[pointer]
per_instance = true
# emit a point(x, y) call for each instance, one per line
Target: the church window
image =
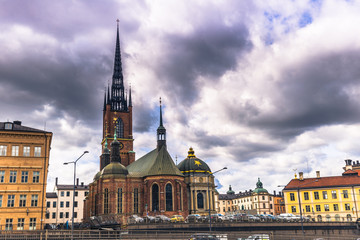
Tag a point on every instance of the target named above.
point(200, 200)
point(136, 200)
point(169, 197)
point(180, 189)
point(155, 197)
point(120, 200)
point(106, 201)
point(120, 128)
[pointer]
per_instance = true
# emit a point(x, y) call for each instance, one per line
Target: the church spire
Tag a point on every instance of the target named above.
point(130, 103)
point(118, 100)
point(161, 132)
point(104, 100)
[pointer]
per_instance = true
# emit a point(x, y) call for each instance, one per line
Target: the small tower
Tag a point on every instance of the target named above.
point(161, 133)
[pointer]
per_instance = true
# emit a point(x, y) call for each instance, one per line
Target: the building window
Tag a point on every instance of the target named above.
point(68, 193)
point(169, 197)
point(32, 225)
point(120, 128)
point(292, 197)
point(333, 194)
point(271, 206)
point(155, 197)
point(106, 201)
point(12, 176)
point(67, 215)
point(8, 126)
point(24, 176)
point(181, 203)
point(119, 200)
point(293, 209)
point(316, 195)
point(26, 151)
point(37, 152)
point(53, 215)
point(67, 204)
point(34, 200)
point(9, 224)
point(76, 193)
point(54, 204)
point(200, 200)
point(307, 208)
point(22, 202)
point(62, 193)
point(20, 225)
point(1, 197)
point(347, 206)
point(318, 208)
point(326, 207)
point(263, 197)
point(61, 215)
point(2, 176)
point(11, 201)
point(15, 151)
point(3, 151)
point(264, 205)
point(48, 204)
point(136, 200)
point(345, 193)
point(36, 176)
point(47, 215)
point(306, 195)
point(336, 207)
point(75, 204)
point(86, 193)
point(75, 214)
point(325, 196)
point(61, 204)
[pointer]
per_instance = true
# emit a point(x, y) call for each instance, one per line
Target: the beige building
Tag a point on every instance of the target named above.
point(24, 161)
point(257, 201)
point(59, 203)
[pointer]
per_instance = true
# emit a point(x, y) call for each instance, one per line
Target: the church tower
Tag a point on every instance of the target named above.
point(117, 113)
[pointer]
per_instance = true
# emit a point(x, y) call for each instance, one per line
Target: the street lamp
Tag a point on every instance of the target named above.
point(73, 207)
point(298, 193)
point(208, 176)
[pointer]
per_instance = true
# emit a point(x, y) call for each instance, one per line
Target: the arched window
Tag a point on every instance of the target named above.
point(106, 201)
point(155, 197)
point(120, 200)
point(319, 218)
point(349, 217)
point(337, 217)
point(169, 197)
point(120, 128)
point(328, 218)
point(200, 200)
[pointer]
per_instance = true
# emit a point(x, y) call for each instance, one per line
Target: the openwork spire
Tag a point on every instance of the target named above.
point(118, 100)
point(161, 132)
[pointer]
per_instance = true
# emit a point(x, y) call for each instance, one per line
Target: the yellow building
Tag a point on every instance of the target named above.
point(335, 198)
point(24, 160)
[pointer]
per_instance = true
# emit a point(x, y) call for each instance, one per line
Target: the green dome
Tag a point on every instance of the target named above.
point(192, 164)
point(230, 191)
point(114, 169)
point(96, 177)
point(259, 187)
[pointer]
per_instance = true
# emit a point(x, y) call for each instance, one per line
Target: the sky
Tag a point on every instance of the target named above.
point(265, 88)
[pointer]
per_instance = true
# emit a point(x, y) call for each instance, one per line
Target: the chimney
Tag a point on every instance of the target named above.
point(274, 193)
point(301, 175)
point(77, 181)
point(17, 122)
point(82, 184)
point(348, 164)
point(317, 174)
point(56, 181)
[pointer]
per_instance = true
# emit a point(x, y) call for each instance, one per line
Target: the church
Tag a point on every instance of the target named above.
point(151, 185)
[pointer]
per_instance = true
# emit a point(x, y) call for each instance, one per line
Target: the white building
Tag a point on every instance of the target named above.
point(59, 203)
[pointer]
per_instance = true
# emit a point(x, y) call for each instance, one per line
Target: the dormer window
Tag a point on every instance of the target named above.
point(8, 126)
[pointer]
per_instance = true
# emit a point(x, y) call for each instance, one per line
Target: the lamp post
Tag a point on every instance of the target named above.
point(73, 207)
point(208, 183)
point(298, 193)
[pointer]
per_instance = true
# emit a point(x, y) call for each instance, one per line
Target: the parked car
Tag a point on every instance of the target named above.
point(162, 218)
point(256, 237)
point(177, 218)
point(262, 217)
point(241, 217)
point(253, 218)
point(288, 217)
point(150, 219)
point(203, 236)
point(271, 218)
point(133, 219)
point(193, 218)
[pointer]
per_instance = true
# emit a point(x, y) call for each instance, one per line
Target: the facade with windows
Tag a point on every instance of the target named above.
point(24, 157)
point(59, 203)
point(335, 198)
point(257, 201)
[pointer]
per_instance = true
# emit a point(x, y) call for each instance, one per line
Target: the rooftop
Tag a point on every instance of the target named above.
point(16, 126)
point(323, 182)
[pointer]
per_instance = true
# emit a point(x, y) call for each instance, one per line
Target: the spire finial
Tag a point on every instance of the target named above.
point(115, 139)
point(130, 102)
point(161, 121)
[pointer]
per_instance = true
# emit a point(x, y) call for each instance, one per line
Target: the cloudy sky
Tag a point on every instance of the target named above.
point(265, 88)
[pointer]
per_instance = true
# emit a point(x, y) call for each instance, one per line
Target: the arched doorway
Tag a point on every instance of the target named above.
point(348, 217)
point(337, 218)
point(319, 218)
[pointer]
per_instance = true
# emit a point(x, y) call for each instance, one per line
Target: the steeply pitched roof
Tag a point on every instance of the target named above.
point(19, 127)
point(153, 164)
point(324, 182)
